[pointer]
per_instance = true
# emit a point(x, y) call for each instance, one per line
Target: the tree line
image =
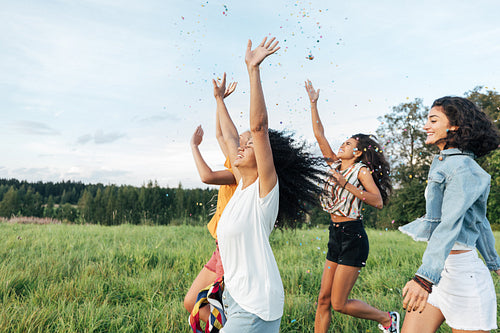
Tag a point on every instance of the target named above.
point(400, 133)
point(106, 204)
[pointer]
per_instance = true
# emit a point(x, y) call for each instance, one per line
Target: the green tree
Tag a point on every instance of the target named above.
point(99, 206)
point(488, 101)
point(111, 205)
point(403, 139)
point(9, 206)
point(67, 212)
point(86, 206)
point(491, 164)
point(49, 207)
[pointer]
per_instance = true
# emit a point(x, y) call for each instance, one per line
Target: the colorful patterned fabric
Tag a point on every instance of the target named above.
point(339, 201)
point(212, 296)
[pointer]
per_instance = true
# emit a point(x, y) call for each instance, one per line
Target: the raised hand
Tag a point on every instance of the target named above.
point(254, 58)
point(313, 94)
point(220, 90)
point(230, 88)
point(197, 136)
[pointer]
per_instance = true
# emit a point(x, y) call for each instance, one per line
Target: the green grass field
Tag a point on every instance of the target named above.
point(74, 278)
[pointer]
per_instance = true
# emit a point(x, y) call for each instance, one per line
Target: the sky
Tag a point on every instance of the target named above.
point(103, 91)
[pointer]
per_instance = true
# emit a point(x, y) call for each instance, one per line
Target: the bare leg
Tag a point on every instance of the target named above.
point(345, 277)
point(426, 322)
point(204, 278)
point(323, 311)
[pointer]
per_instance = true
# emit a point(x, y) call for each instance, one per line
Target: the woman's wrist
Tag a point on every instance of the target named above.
point(425, 284)
point(253, 68)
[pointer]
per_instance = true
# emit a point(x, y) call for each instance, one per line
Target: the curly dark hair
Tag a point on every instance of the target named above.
point(475, 133)
point(373, 157)
point(300, 176)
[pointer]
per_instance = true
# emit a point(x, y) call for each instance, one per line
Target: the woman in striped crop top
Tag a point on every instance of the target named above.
point(359, 173)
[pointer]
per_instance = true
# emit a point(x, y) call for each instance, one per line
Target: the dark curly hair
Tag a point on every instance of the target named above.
point(373, 157)
point(300, 176)
point(475, 133)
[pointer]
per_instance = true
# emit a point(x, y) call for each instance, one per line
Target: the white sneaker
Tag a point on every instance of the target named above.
point(394, 328)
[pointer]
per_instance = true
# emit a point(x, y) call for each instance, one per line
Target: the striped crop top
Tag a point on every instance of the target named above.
point(339, 201)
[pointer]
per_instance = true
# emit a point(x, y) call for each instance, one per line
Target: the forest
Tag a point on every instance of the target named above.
point(400, 133)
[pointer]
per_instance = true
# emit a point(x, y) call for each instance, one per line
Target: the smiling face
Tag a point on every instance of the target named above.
point(349, 150)
point(437, 127)
point(246, 155)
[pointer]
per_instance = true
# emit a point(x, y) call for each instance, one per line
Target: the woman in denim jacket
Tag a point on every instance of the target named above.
point(453, 284)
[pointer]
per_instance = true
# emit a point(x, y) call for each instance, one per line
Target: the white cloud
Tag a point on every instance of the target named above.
point(139, 73)
point(34, 128)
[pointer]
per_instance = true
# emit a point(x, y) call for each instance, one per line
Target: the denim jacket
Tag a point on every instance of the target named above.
point(456, 196)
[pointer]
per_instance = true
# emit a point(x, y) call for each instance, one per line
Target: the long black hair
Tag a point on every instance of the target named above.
point(475, 133)
point(373, 157)
point(300, 177)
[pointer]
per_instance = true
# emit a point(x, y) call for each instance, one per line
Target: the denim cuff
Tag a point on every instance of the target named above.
point(493, 265)
point(432, 277)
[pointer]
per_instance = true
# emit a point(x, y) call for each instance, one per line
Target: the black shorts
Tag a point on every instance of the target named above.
point(348, 244)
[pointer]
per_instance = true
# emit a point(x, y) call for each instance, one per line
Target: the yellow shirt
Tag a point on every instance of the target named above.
point(225, 193)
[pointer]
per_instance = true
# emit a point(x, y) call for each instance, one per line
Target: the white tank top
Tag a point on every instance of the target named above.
point(251, 274)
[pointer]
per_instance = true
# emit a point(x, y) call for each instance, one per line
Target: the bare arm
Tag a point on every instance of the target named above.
point(218, 131)
point(207, 176)
point(228, 129)
point(371, 195)
point(319, 131)
point(258, 115)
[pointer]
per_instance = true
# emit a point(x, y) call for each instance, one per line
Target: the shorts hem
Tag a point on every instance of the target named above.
point(210, 269)
point(471, 329)
point(351, 264)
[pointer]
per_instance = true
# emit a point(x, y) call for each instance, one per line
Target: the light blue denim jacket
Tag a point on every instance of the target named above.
point(456, 196)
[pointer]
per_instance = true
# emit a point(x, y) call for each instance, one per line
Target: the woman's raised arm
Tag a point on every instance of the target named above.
point(227, 127)
point(319, 131)
point(258, 115)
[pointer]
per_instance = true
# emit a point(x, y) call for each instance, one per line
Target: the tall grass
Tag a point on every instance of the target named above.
point(76, 278)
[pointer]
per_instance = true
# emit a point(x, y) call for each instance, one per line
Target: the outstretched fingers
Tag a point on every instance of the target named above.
point(230, 89)
point(270, 42)
point(253, 58)
point(269, 45)
point(220, 87)
point(313, 94)
point(223, 84)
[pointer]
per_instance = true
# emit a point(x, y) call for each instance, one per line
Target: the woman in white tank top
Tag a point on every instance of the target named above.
point(275, 176)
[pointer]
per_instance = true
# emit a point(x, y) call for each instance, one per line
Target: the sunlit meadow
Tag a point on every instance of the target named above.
point(89, 278)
